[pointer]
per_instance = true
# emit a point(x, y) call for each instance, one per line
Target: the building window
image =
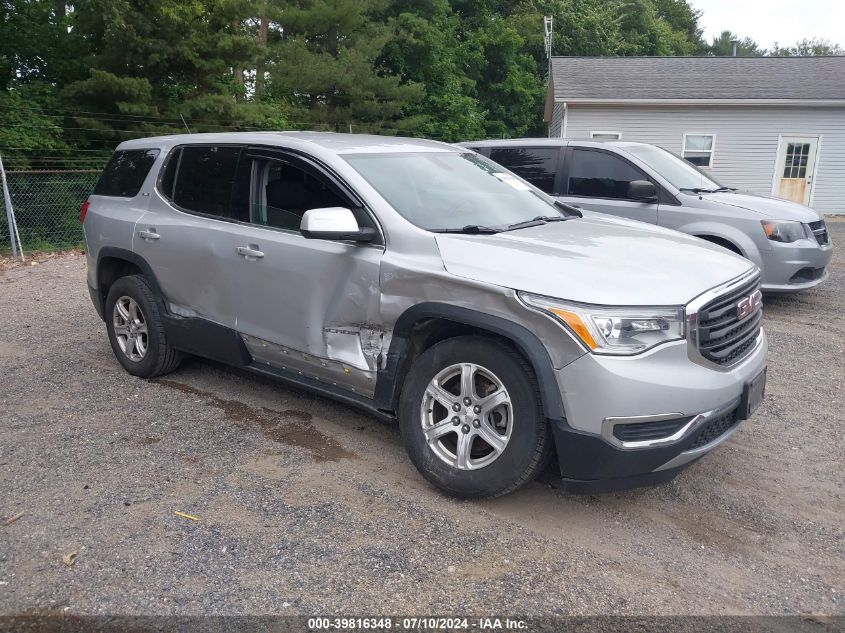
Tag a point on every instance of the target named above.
point(698, 149)
point(606, 136)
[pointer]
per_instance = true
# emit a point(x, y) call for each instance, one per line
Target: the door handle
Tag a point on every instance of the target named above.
point(149, 235)
point(250, 252)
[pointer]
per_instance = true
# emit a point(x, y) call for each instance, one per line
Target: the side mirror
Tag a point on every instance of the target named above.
point(334, 223)
point(642, 190)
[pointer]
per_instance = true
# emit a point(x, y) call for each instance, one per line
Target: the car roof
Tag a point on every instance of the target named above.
point(549, 142)
point(331, 141)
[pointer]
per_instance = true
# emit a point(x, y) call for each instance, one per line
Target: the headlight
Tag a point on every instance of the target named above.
point(783, 230)
point(614, 330)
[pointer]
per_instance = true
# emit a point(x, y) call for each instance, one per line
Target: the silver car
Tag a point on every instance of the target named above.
point(787, 240)
point(427, 285)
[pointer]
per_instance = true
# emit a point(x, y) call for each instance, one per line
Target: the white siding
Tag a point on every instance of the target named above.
point(746, 140)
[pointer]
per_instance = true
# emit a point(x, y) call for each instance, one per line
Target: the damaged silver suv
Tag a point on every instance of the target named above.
point(425, 283)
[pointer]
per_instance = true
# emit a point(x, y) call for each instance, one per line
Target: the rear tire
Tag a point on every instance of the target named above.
point(471, 419)
point(136, 329)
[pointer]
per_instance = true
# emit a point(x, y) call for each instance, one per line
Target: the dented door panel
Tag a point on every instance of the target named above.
point(310, 306)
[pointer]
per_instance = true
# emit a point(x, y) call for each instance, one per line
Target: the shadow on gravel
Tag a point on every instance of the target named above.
point(290, 427)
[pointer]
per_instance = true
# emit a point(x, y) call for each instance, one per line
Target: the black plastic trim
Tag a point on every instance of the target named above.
point(388, 387)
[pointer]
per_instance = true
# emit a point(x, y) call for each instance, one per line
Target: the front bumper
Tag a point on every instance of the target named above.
point(598, 391)
point(797, 266)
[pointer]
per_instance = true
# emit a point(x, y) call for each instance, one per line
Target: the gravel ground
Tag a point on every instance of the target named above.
point(305, 506)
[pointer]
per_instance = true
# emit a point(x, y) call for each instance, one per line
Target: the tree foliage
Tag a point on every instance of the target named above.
point(90, 73)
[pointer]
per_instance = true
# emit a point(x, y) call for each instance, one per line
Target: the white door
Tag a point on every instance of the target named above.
point(795, 168)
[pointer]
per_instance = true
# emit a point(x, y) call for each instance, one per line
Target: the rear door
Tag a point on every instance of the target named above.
point(598, 180)
point(186, 234)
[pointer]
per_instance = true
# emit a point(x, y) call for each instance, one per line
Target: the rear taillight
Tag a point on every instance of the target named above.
point(83, 211)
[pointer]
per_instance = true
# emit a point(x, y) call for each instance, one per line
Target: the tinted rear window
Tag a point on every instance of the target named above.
point(125, 173)
point(205, 179)
point(538, 165)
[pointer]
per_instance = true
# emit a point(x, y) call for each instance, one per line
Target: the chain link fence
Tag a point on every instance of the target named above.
point(46, 198)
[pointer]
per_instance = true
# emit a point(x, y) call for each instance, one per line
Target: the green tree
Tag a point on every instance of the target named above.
point(814, 47)
point(722, 46)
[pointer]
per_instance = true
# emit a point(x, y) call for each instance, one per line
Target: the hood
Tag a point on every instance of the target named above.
point(767, 207)
point(595, 259)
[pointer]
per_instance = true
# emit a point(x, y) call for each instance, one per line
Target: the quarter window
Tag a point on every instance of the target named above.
point(125, 173)
point(698, 149)
point(600, 175)
point(538, 165)
point(205, 179)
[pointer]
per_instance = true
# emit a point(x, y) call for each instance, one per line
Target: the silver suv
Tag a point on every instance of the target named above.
point(788, 241)
point(424, 283)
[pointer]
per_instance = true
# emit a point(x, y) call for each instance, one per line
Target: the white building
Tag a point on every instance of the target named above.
point(770, 125)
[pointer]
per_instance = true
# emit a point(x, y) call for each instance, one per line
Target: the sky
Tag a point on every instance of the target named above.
point(768, 21)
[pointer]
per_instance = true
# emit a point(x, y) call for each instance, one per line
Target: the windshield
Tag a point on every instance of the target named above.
point(677, 171)
point(451, 191)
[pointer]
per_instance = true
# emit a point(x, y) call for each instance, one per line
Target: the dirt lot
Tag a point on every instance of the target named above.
point(306, 506)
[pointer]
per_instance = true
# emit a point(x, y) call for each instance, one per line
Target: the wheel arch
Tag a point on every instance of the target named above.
point(114, 263)
point(425, 324)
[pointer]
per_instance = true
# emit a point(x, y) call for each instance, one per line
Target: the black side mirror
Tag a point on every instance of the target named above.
point(642, 190)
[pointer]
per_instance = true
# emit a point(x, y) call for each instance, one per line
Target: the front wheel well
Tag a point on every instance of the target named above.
point(426, 333)
point(721, 241)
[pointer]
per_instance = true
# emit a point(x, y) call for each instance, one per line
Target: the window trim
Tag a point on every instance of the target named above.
point(594, 133)
point(570, 151)
point(711, 151)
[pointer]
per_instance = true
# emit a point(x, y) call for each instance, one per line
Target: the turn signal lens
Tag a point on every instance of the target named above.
point(578, 326)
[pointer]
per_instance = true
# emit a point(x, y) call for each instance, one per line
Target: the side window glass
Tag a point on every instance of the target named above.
point(284, 192)
point(125, 173)
point(600, 175)
point(538, 165)
point(205, 179)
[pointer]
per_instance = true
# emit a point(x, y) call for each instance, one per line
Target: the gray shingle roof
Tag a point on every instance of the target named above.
point(618, 78)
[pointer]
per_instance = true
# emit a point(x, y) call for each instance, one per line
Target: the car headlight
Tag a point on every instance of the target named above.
point(783, 230)
point(621, 331)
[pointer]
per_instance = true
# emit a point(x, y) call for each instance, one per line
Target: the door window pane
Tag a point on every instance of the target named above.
point(205, 179)
point(698, 149)
point(538, 165)
point(600, 175)
point(795, 165)
point(284, 193)
point(125, 173)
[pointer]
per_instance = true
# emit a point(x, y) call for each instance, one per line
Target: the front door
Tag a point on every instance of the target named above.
point(303, 304)
point(795, 168)
point(598, 180)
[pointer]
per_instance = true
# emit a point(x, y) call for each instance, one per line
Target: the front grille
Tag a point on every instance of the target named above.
point(714, 429)
point(819, 230)
point(644, 431)
point(724, 337)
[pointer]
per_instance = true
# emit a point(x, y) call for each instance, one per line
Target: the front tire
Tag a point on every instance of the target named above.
point(136, 329)
point(471, 419)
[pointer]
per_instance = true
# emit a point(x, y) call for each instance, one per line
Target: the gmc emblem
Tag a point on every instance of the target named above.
point(749, 304)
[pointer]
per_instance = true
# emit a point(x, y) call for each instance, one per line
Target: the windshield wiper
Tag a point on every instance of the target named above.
point(469, 229)
point(538, 221)
point(701, 190)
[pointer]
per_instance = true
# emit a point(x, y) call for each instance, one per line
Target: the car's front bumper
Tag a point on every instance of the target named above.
point(599, 391)
point(797, 266)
